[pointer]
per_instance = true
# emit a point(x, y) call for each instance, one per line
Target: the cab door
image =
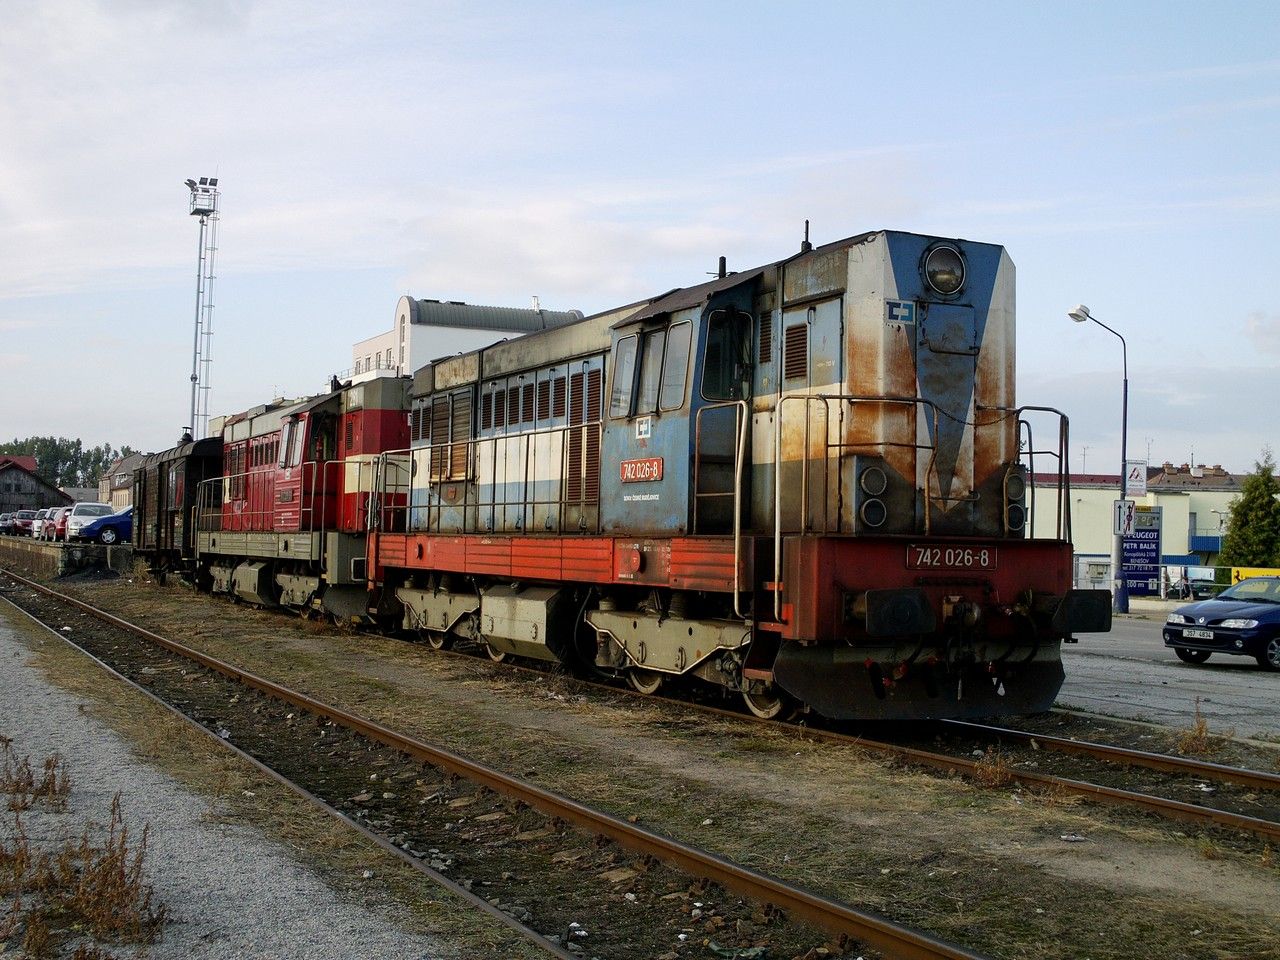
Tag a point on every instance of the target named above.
point(722, 418)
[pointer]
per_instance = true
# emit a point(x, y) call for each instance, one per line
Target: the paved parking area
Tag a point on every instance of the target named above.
point(1130, 673)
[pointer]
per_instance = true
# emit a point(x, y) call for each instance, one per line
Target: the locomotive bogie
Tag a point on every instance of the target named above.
point(663, 643)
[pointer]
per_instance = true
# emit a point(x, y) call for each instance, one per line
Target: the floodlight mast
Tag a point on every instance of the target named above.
point(204, 204)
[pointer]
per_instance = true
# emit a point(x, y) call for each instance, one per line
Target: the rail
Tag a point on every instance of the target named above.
point(840, 918)
point(842, 448)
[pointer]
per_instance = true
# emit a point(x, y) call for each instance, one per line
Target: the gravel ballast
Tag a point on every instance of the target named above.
point(230, 892)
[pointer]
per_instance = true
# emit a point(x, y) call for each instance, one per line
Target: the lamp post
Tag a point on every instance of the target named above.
point(1120, 598)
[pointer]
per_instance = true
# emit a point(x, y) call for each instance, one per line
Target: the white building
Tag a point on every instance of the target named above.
point(426, 330)
point(1194, 504)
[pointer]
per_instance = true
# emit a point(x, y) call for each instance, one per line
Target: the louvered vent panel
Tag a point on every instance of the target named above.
point(795, 352)
point(766, 338)
point(513, 406)
point(557, 398)
point(544, 400)
point(573, 478)
point(460, 433)
point(594, 395)
point(526, 404)
point(499, 408)
point(486, 411)
point(349, 437)
point(439, 435)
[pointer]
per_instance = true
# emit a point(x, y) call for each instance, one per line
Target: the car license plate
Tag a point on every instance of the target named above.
point(921, 556)
point(1195, 633)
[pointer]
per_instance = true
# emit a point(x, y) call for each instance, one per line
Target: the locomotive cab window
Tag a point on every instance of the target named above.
point(726, 369)
point(650, 370)
point(624, 377)
point(675, 366)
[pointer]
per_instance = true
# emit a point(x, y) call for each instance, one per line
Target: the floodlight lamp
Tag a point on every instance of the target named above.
point(213, 181)
point(191, 183)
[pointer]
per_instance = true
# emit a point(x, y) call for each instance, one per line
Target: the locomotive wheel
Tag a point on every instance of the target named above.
point(438, 640)
point(497, 656)
point(768, 705)
point(644, 681)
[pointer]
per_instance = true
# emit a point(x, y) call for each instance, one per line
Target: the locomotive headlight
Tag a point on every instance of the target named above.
point(944, 270)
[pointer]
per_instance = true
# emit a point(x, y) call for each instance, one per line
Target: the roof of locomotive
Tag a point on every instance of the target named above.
point(593, 334)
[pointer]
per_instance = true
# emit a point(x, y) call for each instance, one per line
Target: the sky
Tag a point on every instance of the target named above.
point(595, 153)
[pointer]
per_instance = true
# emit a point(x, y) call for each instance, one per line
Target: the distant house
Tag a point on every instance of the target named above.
point(116, 485)
point(22, 489)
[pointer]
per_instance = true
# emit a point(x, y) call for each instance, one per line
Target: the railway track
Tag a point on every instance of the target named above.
point(1185, 774)
point(509, 796)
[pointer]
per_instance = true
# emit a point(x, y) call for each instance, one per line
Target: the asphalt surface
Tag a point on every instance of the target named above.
point(1130, 673)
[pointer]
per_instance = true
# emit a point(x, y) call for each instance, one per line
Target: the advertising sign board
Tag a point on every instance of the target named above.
point(1140, 552)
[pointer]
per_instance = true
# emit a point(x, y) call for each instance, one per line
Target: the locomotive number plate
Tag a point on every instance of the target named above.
point(922, 556)
point(641, 471)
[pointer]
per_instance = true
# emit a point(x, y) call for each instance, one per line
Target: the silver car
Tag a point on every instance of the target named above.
point(83, 513)
point(37, 525)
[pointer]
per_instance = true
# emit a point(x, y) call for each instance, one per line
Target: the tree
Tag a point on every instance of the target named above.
point(66, 463)
point(1253, 531)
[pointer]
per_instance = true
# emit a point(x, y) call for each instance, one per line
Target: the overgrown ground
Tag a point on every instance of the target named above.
point(1010, 873)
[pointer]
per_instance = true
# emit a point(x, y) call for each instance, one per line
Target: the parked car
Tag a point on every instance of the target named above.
point(37, 523)
point(1244, 619)
point(6, 523)
point(22, 521)
point(110, 529)
point(55, 525)
point(83, 513)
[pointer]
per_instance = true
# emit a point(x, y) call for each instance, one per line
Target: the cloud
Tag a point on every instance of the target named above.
point(1263, 331)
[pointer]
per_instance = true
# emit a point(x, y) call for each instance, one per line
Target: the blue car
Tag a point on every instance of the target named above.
point(110, 529)
point(1243, 619)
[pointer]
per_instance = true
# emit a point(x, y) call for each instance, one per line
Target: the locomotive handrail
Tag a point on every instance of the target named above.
point(742, 418)
point(826, 398)
point(1062, 516)
point(428, 516)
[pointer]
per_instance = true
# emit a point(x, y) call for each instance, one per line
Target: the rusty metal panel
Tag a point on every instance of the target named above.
point(587, 559)
point(537, 558)
point(458, 371)
point(642, 561)
point(548, 347)
point(704, 563)
point(491, 555)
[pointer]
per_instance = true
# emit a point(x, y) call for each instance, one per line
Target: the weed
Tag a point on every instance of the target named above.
point(992, 769)
point(1197, 741)
point(18, 780)
point(1208, 849)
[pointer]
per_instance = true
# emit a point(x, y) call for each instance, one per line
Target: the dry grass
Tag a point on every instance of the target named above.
point(1197, 741)
point(18, 780)
point(992, 769)
point(79, 888)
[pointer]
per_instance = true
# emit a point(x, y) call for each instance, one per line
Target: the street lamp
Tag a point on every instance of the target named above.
point(1121, 599)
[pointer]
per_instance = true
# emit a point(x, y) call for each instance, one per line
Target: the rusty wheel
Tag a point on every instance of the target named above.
point(644, 681)
point(438, 639)
point(768, 704)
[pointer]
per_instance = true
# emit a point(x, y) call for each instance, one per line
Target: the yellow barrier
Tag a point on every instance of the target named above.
point(1244, 573)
